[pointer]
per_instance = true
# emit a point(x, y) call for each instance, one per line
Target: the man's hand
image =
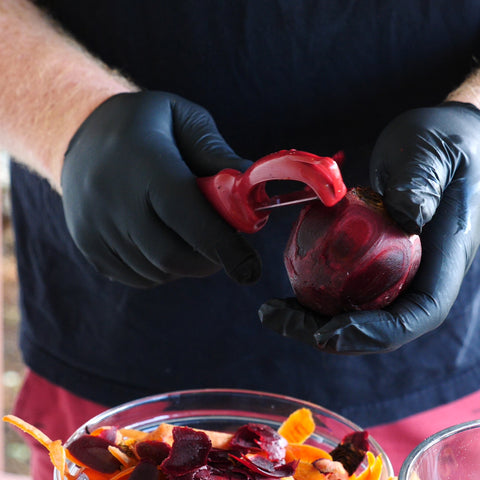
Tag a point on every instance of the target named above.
point(131, 200)
point(427, 165)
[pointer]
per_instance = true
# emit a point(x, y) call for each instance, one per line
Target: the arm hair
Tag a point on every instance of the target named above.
point(48, 85)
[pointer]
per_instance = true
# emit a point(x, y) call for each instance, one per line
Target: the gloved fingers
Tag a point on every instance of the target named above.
point(240, 261)
point(412, 177)
point(139, 262)
point(109, 263)
point(173, 256)
point(203, 228)
point(187, 248)
point(290, 319)
point(202, 146)
point(360, 332)
point(411, 316)
point(412, 196)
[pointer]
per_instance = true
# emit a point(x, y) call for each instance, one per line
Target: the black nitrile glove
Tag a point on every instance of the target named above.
point(130, 196)
point(427, 165)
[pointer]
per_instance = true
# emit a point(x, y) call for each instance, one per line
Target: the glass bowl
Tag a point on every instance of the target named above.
point(452, 453)
point(227, 410)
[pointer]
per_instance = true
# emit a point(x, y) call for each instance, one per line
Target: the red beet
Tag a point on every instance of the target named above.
point(189, 451)
point(261, 438)
point(351, 451)
point(93, 452)
point(351, 256)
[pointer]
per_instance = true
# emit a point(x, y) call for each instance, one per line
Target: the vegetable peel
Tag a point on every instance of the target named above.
point(298, 426)
point(55, 448)
point(254, 451)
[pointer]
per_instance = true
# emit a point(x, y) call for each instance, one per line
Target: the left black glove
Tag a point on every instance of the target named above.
point(426, 163)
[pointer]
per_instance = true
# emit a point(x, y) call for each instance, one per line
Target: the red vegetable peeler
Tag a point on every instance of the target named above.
point(243, 202)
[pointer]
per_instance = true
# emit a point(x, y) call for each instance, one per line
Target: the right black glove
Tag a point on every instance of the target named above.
point(426, 163)
point(130, 196)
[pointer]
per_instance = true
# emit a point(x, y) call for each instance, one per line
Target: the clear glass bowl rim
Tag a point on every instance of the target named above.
point(387, 465)
point(420, 449)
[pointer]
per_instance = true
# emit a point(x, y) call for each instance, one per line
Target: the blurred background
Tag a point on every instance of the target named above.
point(15, 453)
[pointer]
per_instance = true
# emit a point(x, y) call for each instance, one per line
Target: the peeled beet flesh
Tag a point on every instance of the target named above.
point(351, 256)
point(93, 452)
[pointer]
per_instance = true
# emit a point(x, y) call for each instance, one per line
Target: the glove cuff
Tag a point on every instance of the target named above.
point(461, 105)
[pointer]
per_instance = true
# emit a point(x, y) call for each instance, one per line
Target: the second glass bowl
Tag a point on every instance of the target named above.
point(451, 454)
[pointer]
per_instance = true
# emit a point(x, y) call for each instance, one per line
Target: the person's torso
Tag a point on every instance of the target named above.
point(316, 76)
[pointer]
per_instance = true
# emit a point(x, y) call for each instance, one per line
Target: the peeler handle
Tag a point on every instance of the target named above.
point(236, 195)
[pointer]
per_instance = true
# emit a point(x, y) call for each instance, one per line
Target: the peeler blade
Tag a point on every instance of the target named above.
point(287, 199)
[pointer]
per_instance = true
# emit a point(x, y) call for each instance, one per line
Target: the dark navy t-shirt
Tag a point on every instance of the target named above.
point(313, 75)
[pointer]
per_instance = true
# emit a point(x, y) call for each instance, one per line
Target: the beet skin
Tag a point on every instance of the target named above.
point(351, 256)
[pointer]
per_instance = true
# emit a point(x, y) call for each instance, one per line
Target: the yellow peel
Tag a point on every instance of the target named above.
point(125, 460)
point(374, 469)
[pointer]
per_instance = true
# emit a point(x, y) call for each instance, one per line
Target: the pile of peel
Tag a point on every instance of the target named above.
point(254, 452)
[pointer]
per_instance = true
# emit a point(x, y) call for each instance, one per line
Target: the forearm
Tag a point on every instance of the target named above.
point(468, 91)
point(48, 86)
